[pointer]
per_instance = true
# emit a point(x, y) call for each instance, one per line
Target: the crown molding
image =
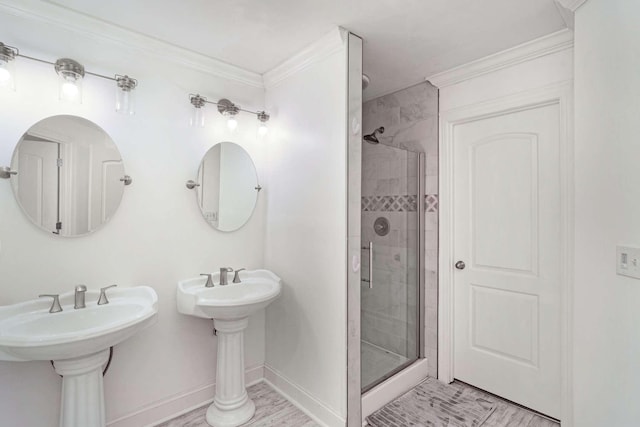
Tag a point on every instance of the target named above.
point(317, 51)
point(572, 5)
point(96, 29)
point(542, 46)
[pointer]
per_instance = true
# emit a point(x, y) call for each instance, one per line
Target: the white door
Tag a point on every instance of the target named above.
point(37, 181)
point(507, 232)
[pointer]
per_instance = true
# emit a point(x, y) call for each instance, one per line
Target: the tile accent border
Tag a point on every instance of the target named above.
point(397, 203)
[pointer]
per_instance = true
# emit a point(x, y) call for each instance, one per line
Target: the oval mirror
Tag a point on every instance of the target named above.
point(70, 177)
point(227, 186)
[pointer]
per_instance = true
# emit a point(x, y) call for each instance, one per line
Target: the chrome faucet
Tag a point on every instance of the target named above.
point(236, 276)
point(79, 297)
point(223, 275)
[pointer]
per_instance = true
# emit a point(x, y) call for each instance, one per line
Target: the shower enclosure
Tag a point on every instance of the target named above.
point(392, 259)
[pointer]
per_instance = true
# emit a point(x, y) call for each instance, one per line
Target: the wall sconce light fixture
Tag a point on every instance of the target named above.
point(263, 118)
point(228, 109)
point(197, 117)
point(71, 74)
point(7, 72)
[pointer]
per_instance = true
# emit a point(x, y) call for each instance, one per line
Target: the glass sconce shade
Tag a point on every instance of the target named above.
point(232, 123)
point(263, 118)
point(125, 95)
point(7, 69)
point(70, 75)
point(197, 115)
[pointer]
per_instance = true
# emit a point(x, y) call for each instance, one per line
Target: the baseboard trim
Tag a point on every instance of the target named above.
point(394, 387)
point(302, 399)
point(174, 406)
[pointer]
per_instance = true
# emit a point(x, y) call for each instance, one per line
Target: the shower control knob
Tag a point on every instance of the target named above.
point(460, 265)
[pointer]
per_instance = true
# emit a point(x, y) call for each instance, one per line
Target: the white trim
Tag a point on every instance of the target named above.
point(572, 5)
point(393, 388)
point(560, 94)
point(174, 406)
point(329, 44)
point(302, 399)
point(97, 29)
point(542, 46)
point(566, 15)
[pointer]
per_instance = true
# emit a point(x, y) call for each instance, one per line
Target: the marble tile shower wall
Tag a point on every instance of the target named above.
point(410, 119)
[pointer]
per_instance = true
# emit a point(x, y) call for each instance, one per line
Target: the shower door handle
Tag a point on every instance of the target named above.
point(370, 265)
point(370, 249)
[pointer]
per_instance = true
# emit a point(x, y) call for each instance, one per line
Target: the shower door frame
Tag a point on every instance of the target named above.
point(420, 326)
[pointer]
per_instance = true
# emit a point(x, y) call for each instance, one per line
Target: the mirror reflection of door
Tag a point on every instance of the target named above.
point(37, 184)
point(210, 185)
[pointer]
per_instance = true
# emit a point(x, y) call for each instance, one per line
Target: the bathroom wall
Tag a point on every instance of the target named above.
point(156, 238)
point(306, 228)
point(410, 119)
point(607, 205)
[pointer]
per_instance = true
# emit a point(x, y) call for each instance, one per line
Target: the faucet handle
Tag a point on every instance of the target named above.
point(55, 307)
point(236, 276)
point(209, 283)
point(103, 295)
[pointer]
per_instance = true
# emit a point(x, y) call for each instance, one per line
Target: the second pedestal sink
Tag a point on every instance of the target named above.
point(78, 341)
point(230, 307)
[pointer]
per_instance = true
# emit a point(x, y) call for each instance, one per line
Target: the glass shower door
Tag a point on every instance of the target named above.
point(390, 288)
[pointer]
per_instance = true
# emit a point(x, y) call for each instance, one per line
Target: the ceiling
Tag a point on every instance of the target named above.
point(404, 40)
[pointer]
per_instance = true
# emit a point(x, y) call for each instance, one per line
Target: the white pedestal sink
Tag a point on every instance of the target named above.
point(230, 307)
point(77, 341)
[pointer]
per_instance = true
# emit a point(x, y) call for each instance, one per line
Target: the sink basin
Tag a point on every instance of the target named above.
point(77, 341)
point(29, 332)
point(233, 301)
point(230, 307)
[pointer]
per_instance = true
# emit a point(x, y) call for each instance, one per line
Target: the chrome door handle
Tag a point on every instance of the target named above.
point(370, 265)
point(460, 265)
point(370, 249)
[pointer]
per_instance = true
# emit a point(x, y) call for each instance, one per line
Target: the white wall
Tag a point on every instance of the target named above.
point(306, 233)
point(607, 206)
point(156, 238)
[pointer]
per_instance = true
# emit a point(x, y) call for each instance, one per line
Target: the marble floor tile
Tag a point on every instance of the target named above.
point(508, 414)
point(272, 409)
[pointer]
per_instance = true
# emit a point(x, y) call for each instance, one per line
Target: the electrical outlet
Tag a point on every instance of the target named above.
point(628, 261)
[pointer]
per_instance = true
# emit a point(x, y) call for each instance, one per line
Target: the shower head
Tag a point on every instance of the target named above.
point(372, 138)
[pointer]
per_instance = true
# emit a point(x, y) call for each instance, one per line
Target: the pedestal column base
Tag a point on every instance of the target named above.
point(82, 390)
point(231, 406)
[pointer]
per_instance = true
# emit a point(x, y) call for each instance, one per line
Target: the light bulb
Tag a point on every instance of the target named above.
point(232, 123)
point(69, 90)
point(263, 129)
point(5, 75)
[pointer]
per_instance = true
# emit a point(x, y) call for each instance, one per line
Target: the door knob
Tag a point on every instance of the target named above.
point(460, 265)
